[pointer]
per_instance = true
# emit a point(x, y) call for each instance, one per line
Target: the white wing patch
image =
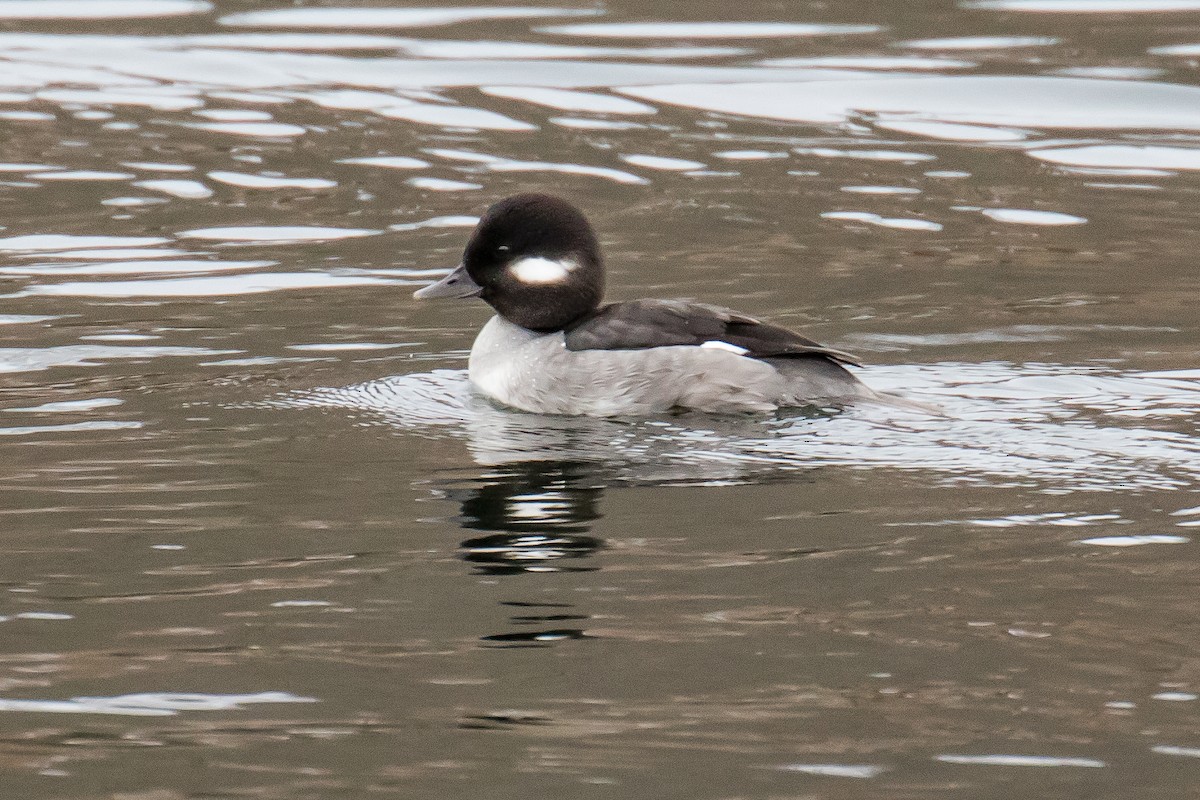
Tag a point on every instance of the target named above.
point(542, 270)
point(718, 345)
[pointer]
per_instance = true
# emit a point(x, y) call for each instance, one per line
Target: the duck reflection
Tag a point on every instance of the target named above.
point(535, 517)
point(537, 514)
point(543, 477)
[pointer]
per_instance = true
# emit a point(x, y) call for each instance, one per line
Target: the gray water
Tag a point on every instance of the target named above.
point(259, 541)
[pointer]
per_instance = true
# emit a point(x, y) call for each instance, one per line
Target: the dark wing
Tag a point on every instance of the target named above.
point(640, 324)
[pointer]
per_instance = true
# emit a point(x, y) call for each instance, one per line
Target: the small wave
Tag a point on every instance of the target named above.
point(1051, 427)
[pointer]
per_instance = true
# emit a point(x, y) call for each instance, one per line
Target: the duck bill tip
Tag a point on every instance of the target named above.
point(455, 285)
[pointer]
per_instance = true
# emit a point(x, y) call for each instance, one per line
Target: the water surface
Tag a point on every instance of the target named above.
point(260, 540)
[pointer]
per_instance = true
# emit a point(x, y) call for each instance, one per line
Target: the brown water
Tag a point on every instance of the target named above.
point(259, 541)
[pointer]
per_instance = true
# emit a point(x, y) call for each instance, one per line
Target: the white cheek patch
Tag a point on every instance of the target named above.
point(732, 348)
point(541, 270)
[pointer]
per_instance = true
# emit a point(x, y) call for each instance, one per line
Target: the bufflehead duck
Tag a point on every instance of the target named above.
point(553, 349)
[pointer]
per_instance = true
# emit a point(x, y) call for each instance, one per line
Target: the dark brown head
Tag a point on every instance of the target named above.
point(535, 259)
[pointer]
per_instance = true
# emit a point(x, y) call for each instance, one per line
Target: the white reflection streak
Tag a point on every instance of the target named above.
point(156, 704)
point(376, 18)
point(1004, 760)
point(1037, 102)
point(839, 770)
point(491, 163)
point(108, 9)
point(32, 359)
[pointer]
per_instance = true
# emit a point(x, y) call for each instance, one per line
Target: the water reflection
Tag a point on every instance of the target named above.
point(537, 514)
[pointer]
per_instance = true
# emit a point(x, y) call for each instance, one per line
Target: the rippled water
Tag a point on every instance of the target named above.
point(260, 540)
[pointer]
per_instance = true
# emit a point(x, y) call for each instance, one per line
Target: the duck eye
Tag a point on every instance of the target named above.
point(503, 248)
